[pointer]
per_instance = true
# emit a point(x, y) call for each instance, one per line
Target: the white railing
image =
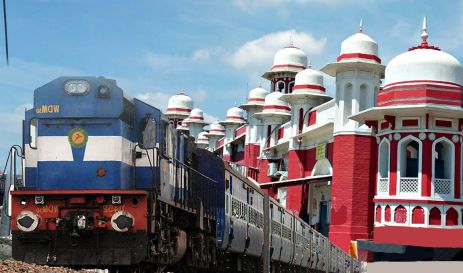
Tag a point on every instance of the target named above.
point(383, 186)
point(242, 169)
point(409, 185)
point(442, 187)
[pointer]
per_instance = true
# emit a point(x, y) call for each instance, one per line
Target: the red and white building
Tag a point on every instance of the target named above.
point(381, 161)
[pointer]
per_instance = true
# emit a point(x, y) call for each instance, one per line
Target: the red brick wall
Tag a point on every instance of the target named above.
point(251, 153)
point(354, 172)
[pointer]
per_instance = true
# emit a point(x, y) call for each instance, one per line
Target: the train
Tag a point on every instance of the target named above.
point(108, 182)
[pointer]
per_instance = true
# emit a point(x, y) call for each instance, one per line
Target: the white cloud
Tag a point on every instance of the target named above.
point(202, 54)
point(27, 74)
point(167, 62)
point(258, 53)
point(156, 99)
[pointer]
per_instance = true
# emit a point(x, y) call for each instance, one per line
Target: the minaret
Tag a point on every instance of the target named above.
point(178, 108)
point(275, 113)
point(309, 92)
point(216, 132)
point(202, 141)
point(358, 73)
point(286, 63)
point(195, 122)
point(254, 130)
point(235, 118)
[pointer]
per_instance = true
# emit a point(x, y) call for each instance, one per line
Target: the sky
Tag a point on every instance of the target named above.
point(214, 50)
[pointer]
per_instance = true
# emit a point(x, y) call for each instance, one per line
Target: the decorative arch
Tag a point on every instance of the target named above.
point(400, 215)
point(387, 213)
point(322, 167)
point(443, 167)
point(280, 86)
point(378, 214)
point(451, 217)
point(347, 99)
point(418, 215)
point(409, 165)
point(384, 158)
point(363, 97)
point(290, 87)
point(435, 217)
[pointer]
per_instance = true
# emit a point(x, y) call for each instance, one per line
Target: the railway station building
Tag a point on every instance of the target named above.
point(379, 161)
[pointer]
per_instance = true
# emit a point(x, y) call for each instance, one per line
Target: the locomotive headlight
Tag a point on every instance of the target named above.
point(103, 92)
point(27, 221)
point(76, 87)
point(121, 221)
point(39, 200)
point(116, 199)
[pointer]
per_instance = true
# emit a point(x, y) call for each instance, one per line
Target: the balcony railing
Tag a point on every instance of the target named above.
point(409, 185)
point(383, 186)
point(442, 187)
point(245, 170)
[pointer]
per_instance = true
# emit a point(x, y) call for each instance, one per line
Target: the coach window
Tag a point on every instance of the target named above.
point(33, 133)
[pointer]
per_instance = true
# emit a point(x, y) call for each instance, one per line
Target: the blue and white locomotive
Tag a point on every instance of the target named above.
point(110, 183)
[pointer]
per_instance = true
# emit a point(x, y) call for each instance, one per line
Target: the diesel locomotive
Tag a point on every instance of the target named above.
point(109, 183)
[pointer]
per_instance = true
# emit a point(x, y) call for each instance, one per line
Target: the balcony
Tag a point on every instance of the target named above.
point(383, 186)
point(409, 186)
point(442, 187)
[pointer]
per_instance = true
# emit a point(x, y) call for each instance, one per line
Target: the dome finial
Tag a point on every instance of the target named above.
point(424, 32)
point(291, 42)
point(361, 25)
point(310, 63)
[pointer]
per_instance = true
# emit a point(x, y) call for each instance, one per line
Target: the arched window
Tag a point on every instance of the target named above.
point(400, 215)
point(409, 165)
point(443, 167)
point(418, 215)
point(378, 214)
point(387, 214)
point(384, 158)
point(434, 217)
point(301, 120)
point(280, 87)
point(451, 217)
point(290, 87)
point(347, 102)
point(383, 167)
point(363, 97)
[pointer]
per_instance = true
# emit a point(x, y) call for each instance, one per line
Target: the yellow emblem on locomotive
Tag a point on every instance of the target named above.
point(77, 137)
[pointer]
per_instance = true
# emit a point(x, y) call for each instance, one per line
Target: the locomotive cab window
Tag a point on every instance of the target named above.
point(149, 134)
point(33, 133)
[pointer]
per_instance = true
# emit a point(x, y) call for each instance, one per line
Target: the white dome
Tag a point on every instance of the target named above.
point(216, 129)
point(289, 58)
point(257, 96)
point(196, 116)
point(202, 138)
point(424, 64)
point(275, 105)
point(235, 115)
point(359, 47)
point(179, 104)
point(308, 80)
point(422, 75)
point(183, 127)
